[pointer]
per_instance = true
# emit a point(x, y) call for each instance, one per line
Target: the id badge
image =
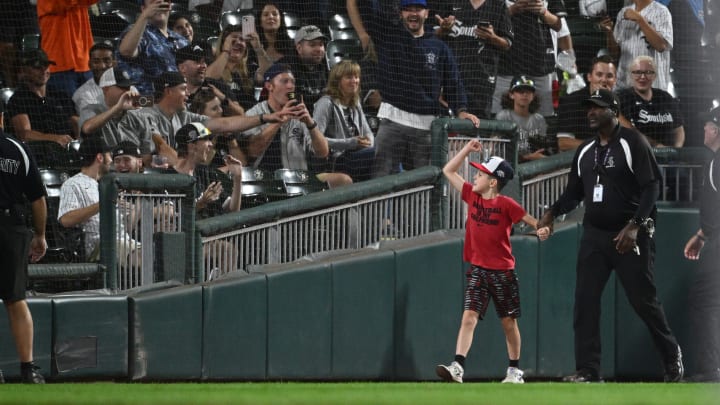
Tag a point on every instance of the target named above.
point(598, 193)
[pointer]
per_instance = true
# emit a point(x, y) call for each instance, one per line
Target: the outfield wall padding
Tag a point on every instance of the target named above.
point(166, 334)
point(363, 316)
point(428, 303)
point(299, 322)
point(235, 313)
point(90, 337)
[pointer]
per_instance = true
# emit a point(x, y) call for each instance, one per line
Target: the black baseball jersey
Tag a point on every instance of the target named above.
point(532, 52)
point(656, 118)
point(477, 60)
point(710, 198)
point(19, 176)
point(622, 169)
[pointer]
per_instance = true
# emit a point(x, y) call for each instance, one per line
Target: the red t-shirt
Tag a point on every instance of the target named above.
point(487, 229)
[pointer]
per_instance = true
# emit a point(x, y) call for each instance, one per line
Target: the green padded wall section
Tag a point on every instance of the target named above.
point(166, 334)
point(41, 310)
point(428, 303)
point(299, 322)
point(637, 356)
point(90, 337)
point(235, 337)
point(363, 301)
point(556, 289)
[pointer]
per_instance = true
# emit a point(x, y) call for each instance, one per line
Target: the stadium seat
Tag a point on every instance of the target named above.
point(340, 49)
point(112, 24)
point(29, 42)
point(341, 28)
point(292, 23)
point(108, 6)
point(203, 27)
point(299, 182)
point(254, 187)
point(233, 17)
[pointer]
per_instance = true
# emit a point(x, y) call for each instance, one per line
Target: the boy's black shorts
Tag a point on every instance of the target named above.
point(501, 285)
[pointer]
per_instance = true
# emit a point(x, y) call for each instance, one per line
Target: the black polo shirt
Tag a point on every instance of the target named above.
point(50, 114)
point(710, 198)
point(624, 167)
point(19, 176)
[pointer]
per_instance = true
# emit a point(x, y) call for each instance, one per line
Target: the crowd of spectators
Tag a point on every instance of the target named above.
point(269, 96)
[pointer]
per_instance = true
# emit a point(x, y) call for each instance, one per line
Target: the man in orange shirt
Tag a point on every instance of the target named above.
point(66, 36)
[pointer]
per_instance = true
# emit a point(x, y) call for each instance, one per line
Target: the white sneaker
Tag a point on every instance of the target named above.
point(453, 372)
point(514, 376)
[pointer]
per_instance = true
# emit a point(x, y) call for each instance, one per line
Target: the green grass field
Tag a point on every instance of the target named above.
point(360, 393)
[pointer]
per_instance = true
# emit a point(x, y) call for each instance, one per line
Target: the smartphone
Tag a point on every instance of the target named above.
point(248, 25)
point(483, 24)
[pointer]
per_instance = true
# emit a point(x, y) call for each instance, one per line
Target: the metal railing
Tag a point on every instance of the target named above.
point(133, 209)
point(353, 225)
point(393, 207)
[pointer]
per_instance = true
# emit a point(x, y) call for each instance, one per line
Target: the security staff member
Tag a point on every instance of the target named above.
point(20, 182)
point(704, 293)
point(616, 176)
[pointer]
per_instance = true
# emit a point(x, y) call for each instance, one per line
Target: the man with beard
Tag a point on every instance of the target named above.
point(414, 69)
point(308, 64)
point(80, 196)
point(617, 178)
point(90, 93)
point(192, 65)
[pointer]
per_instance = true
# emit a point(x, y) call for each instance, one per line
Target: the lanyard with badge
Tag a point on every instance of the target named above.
point(598, 189)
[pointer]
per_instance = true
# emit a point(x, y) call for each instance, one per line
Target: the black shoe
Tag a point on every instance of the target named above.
point(674, 369)
point(29, 374)
point(583, 377)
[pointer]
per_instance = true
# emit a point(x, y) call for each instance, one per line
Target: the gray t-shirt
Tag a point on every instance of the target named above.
point(139, 125)
point(533, 126)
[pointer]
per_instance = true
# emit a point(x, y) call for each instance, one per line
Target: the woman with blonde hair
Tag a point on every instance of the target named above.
point(340, 117)
point(235, 65)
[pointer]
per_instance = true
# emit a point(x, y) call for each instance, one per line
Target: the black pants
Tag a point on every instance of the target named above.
point(14, 249)
point(596, 259)
point(704, 310)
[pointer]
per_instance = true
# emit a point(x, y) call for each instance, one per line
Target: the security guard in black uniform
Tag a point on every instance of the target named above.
point(20, 183)
point(704, 294)
point(616, 176)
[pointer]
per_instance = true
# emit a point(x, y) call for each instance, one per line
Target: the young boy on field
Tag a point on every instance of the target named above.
point(487, 247)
